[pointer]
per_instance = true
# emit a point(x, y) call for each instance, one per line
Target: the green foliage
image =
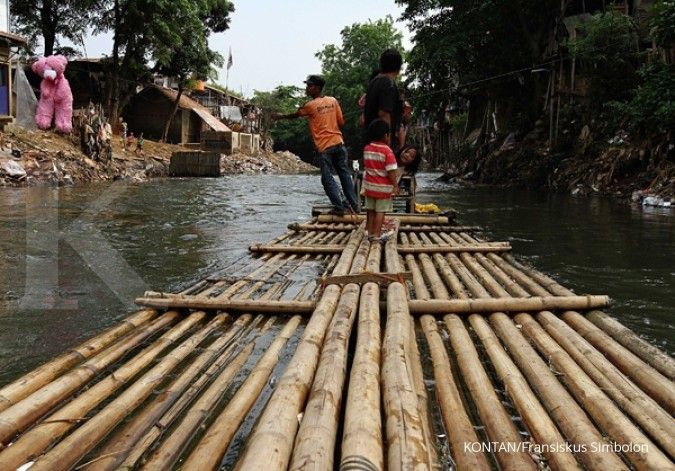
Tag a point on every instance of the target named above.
point(607, 52)
point(51, 20)
point(467, 42)
point(652, 106)
point(662, 23)
point(289, 135)
point(347, 67)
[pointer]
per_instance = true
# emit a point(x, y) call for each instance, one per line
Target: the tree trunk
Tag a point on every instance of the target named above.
point(48, 21)
point(167, 125)
point(113, 87)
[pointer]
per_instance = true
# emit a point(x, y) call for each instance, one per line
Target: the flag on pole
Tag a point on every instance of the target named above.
point(229, 60)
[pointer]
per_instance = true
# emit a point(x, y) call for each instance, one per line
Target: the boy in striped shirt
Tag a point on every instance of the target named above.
point(379, 179)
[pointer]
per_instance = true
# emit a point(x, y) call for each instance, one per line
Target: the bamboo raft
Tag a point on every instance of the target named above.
point(309, 356)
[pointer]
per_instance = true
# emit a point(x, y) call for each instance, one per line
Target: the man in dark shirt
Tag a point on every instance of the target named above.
point(383, 100)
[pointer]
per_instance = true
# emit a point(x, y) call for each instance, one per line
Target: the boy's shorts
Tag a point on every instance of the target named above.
point(379, 205)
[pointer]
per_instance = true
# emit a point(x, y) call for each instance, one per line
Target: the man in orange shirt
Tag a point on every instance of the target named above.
point(325, 119)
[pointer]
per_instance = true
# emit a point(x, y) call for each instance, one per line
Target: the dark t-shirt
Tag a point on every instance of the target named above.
point(383, 95)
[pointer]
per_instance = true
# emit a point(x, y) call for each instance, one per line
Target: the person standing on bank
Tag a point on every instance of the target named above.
point(383, 100)
point(325, 119)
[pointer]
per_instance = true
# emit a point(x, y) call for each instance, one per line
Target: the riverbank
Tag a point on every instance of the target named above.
point(581, 164)
point(29, 158)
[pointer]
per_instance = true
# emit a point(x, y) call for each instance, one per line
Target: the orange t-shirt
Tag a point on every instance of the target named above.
point(325, 119)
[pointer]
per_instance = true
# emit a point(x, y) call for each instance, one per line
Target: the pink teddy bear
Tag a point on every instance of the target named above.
point(56, 99)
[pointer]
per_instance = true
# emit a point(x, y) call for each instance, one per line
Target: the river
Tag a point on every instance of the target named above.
point(73, 258)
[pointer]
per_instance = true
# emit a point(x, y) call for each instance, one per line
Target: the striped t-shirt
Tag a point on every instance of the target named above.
point(378, 159)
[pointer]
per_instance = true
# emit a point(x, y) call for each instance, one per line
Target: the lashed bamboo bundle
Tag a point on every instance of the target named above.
point(70, 450)
point(223, 370)
point(644, 410)
point(459, 429)
point(271, 442)
point(362, 436)
point(595, 401)
point(31, 382)
point(647, 378)
point(124, 440)
point(497, 421)
point(24, 413)
point(315, 441)
point(407, 442)
point(40, 437)
point(209, 451)
point(562, 407)
point(543, 429)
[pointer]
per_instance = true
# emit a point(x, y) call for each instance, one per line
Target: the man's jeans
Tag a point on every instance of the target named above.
point(336, 157)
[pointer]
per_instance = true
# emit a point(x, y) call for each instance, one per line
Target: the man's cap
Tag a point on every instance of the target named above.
point(315, 80)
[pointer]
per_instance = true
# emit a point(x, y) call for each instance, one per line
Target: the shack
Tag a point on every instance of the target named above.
point(149, 109)
point(7, 41)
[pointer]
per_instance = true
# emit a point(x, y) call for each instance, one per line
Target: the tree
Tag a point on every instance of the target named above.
point(347, 67)
point(480, 51)
point(51, 20)
point(171, 34)
point(289, 135)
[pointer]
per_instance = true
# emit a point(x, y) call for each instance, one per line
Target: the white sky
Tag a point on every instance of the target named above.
point(273, 42)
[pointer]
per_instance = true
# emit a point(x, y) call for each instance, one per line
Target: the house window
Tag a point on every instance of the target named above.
point(4, 15)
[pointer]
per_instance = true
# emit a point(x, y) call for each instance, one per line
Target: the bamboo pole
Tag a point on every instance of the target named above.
point(563, 408)
point(296, 249)
point(232, 359)
point(362, 438)
point(540, 425)
point(31, 382)
point(25, 412)
point(123, 441)
point(253, 306)
point(170, 450)
point(39, 438)
point(647, 378)
point(270, 445)
point(642, 454)
point(70, 450)
point(407, 445)
point(404, 228)
point(213, 445)
point(315, 441)
point(497, 421)
point(417, 378)
point(403, 219)
point(626, 337)
point(406, 442)
point(430, 249)
point(441, 306)
point(458, 426)
point(644, 411)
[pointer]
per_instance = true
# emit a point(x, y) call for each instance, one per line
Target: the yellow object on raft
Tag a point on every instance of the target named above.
point(430, 208)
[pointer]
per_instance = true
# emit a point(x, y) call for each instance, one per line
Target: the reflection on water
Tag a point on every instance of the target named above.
point(171, 233)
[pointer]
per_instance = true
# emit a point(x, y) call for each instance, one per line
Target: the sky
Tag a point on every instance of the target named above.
point(274, 41)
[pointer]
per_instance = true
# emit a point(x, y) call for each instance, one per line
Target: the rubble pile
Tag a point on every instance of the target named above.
point(38, 157)
point(264, 162)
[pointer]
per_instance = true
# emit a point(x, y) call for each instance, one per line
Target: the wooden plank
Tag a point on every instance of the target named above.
point(366, 277)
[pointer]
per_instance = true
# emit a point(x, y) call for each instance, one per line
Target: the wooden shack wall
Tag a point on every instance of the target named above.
point(147, 113)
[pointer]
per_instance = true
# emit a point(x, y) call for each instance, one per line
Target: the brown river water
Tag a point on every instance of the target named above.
point(72, 259)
